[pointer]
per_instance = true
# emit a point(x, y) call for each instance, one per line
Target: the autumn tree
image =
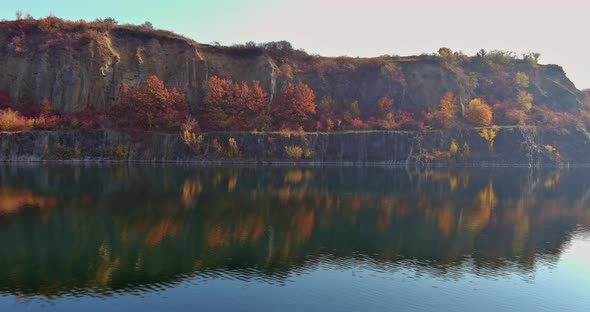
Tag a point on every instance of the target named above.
point(383, 108)
point(45, 107)
point(384, 113)
point(516, 117)
point(149, 106)
point(293, 106)
point(447, 111)
point(352, 113)
point(11, 120)
point(521, 80)
point(445, 52)
point(326, 105)
point(525, 100)
point(233, 105)
point(354, 110)
point(327, 118)
point(478, 113)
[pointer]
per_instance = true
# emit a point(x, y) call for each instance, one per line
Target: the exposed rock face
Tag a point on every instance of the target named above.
point(87, 69)
point(513, 145)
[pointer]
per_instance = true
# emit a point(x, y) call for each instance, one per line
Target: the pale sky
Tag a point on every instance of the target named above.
point(556, 29)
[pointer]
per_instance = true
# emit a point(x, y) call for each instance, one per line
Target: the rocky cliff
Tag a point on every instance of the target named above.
point(77, 65)
point(511, 146)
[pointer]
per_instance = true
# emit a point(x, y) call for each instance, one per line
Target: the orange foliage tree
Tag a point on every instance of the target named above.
point(447, 111)
point(149, 106)
point(13, 121)
point(294, 106)
point(383, 108)
point(384, 113)
point(478, 113)
point(236, 106)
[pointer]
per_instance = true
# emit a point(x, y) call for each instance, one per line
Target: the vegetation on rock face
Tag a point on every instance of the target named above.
point(236, 106)
point(293, 152)
point(149, 106)
point(488, 135)
point(488, 89)
point(478, 113)
point(12, 121)
point(294, 107)
point(446, 114)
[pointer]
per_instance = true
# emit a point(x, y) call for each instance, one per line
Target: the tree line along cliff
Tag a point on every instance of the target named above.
point(64, 75)
point(78, 64)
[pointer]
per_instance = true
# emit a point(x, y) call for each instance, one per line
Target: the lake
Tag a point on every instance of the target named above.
point(144, 237)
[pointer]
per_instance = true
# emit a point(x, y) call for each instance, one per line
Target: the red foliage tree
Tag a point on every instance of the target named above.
point(91, 119)
point(383, 108)
point(45, 107)
point(236, 106)
point(383, 114)
point(358, 124)
point(294, 106)
point(149, 106)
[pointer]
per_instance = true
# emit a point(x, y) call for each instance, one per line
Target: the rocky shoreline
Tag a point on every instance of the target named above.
point(511, 146)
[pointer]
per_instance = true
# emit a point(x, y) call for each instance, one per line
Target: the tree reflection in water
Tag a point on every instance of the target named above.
point(116, 227)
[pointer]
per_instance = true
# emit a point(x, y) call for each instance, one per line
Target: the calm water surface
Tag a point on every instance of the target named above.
point(163, 237)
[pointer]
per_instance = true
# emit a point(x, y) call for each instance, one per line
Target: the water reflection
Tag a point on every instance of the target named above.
point(118, 228)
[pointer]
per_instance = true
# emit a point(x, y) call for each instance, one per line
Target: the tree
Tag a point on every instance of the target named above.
point(294, 106)
point(326, 114)
point(45, 107)
point(489, 135)
point(12, 121)
point(355, 112)
point(231, 105)
point(148, 25)
point(478, 113)
point(326, 105)
point(383, 108)
point(149, 106)
point(525, 100)
point(521, 80)
point(516, 117)
point(445, 53)
point(447, 110)
point(384, 113)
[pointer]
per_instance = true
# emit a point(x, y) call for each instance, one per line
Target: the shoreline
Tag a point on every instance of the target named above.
point(511, 147)
point(253, 163)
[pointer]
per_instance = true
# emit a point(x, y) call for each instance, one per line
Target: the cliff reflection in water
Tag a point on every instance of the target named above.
point(103, 229)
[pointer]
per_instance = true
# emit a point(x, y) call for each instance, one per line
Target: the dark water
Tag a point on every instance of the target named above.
point(153, 238)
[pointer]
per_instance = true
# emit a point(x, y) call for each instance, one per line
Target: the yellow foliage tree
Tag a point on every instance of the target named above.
point(466, 152)
point(233, 150)
point(453, 148)
point(521, 80)
point(525, 100)
point(489, 135)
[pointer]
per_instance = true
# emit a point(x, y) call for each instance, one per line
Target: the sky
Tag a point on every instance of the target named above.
point(556, 29)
